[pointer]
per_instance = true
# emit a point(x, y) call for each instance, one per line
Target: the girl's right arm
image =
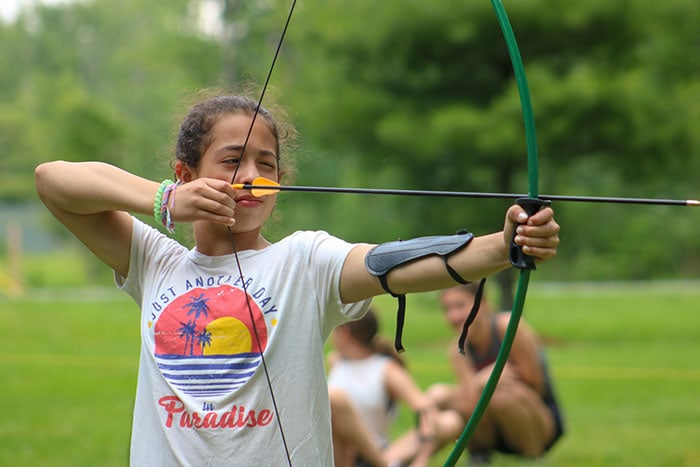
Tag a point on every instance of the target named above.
point(93, 200)
point(401, 386)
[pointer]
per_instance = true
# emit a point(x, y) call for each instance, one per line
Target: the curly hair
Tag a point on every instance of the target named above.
point(195, 131)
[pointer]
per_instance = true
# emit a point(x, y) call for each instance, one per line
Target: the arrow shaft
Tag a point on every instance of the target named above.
point(472, 194)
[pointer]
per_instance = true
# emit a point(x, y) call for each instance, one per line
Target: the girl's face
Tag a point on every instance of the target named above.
point(223, 156)
point(456, 303)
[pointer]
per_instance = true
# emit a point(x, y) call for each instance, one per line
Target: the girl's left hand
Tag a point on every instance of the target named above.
point(538, 234)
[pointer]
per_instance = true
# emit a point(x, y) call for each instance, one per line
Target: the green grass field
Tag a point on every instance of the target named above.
point(625, 358)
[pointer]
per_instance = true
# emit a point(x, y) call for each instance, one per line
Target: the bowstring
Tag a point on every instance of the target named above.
point(233, 243)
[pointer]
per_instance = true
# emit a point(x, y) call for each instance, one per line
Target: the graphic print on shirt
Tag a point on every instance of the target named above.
point(205, 342)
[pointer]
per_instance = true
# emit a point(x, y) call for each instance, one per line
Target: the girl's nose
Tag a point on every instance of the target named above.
point(247, 170)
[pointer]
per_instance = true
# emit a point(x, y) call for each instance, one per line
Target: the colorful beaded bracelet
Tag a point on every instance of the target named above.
point(158, 202)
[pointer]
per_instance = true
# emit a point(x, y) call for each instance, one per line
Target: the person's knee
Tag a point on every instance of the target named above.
point(441, 394)
point(501, 402)
point(513, 397)
point(522, 419)
point(451, 424)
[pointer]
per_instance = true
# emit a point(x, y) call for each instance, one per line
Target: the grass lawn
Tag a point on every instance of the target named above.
point(624, 357)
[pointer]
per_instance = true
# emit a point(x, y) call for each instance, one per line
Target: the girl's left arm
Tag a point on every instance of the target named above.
point(483, 256)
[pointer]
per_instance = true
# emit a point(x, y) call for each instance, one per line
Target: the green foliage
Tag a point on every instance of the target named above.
point(428, 91)
point(94, 82)
point(390, 94)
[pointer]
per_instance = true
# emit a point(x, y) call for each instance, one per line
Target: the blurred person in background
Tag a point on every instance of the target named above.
point(366, 380)
point(523, 417)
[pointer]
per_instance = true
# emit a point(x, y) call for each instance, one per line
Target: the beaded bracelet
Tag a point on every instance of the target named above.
point(158, 202)
point(166, 204)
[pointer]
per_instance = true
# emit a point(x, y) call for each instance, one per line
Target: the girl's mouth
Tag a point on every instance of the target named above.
point(248, 201)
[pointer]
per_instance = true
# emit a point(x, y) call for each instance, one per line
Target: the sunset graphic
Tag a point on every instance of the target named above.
point(205, 342)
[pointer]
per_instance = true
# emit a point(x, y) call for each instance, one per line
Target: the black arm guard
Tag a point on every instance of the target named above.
point(381, 259)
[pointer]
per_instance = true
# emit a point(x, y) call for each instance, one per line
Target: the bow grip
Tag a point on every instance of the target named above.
point(517, 258)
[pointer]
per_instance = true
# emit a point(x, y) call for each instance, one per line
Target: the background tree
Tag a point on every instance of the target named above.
point(390, 94)
point(425, 97)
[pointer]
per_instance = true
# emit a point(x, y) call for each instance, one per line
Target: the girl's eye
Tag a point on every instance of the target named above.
point(232, 160)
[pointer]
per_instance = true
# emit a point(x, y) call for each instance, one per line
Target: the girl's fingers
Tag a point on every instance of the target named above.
point(205, 199)
point(538, 234)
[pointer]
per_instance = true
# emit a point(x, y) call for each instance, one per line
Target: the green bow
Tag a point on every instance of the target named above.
point(533, 192)
point(523, 281)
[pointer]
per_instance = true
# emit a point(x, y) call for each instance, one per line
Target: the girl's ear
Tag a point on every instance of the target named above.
point(183, 172)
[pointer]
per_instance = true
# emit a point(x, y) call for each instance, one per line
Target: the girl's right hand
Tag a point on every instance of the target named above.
point(205, 199)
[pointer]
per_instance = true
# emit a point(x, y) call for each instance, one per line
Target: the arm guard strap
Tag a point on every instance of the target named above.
point(381, 259)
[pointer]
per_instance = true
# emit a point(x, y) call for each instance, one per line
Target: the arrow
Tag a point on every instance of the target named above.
point(262, 186)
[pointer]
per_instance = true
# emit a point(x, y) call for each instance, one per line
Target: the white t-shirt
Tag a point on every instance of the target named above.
point(202, 396)
point(363, 382)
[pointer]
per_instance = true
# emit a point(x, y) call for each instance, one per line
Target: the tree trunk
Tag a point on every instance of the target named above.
point(506, 283)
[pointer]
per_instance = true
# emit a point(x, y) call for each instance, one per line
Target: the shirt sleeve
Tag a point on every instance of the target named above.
point(328, 255)
point(149, 249)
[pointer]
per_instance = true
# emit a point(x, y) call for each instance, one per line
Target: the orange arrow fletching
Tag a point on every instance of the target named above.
point(260, 187)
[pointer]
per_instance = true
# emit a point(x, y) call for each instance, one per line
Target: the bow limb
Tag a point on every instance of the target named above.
point(524, 279)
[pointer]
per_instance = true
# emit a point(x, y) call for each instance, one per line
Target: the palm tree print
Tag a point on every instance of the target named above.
point(188, 331)
point(203, 339)
point(197, 306)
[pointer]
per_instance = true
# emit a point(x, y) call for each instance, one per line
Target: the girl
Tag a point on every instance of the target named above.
point(368, 377)
point(523, 417)
point(231, 368)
